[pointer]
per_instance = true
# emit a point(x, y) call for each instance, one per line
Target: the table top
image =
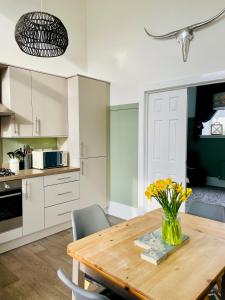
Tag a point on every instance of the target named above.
point(187, 274)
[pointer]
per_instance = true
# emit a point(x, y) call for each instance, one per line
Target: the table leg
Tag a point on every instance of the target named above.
point(78, 275)
point(223, 288)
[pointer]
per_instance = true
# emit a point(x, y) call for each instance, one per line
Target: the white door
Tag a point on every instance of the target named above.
point(93, 102)
point(33, 205)
point(93, 182)
point(49, 100)
point(167, 137)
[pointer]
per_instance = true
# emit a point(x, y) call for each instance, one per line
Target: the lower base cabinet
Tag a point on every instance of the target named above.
point(93, 182)
point(33, 205)
point(60, 213)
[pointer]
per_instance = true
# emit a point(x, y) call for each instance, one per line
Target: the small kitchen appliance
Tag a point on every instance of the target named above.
point(46, 159)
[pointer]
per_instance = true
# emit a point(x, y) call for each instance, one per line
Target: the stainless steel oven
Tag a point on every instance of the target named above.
point(10, 205)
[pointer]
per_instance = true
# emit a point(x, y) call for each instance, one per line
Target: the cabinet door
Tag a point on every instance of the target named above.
point(16, 94)
point(33, 205)
point(93, 102)
point(49, 100)
point(93, 182)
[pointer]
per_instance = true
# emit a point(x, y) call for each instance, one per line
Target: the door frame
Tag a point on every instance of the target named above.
point(157, 87)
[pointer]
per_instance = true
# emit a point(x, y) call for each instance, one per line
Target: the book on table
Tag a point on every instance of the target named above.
point(155, 249)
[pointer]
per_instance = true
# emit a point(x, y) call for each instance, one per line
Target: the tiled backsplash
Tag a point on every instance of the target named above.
point(35, 143)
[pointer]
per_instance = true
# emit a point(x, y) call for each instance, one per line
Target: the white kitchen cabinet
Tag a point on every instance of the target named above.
point(93, 105)
point(39, 102)
point(93, 182)
point(33, 205)
point(16, 95)
point(88, 112)
point(49, 101)
point(61, 193)
point(61, 178)
point(60, 213)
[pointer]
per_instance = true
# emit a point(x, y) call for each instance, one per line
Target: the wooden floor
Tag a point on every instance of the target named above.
point(29, 272)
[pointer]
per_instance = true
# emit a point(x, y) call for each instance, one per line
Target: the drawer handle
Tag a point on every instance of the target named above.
point(63, 178)
point(65, 213)
point(66, 193)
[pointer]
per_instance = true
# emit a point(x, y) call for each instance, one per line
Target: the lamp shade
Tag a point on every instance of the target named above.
point(41, 34)
point(219, 101)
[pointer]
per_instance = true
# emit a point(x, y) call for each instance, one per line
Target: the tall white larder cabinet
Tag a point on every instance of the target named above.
point(88, 108)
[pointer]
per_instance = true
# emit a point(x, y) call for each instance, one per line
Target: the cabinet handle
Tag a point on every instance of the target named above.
point(11, 195)
point(15, 125)
point(66, 193)
point(65, 213)
point(39, 126)
point(36, 125)
point(64, 178)
point(81, 149)
point(26, 190)
point(82, 168)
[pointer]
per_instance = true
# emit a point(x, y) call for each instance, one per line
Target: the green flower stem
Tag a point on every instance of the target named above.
point(171, 231)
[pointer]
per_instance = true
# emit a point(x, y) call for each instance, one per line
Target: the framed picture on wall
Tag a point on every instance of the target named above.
point(216, 129)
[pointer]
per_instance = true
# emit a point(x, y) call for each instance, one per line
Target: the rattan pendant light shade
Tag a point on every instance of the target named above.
point(41, 34)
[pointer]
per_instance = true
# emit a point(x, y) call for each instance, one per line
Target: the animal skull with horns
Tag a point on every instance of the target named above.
point(185, 35)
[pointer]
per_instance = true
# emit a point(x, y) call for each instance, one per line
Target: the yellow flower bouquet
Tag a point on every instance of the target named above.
point(170, 196)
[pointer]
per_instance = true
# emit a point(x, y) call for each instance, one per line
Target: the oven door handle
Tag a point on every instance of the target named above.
point(10, 195)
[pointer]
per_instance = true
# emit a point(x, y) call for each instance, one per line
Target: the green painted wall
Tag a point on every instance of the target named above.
point(124, 154)
point(211, 151)
point(37, 143)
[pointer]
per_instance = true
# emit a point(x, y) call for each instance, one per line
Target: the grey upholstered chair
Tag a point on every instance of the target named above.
point(206, 210)
point(88, 220)
point(79, 293)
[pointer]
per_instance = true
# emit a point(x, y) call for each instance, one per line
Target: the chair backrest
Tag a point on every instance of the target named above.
point(88, 220)
point(206, 210)
point(79, 293)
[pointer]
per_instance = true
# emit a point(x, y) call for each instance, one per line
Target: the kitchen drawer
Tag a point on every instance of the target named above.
point(60, 178)
point(60, 213)
point(60, 193)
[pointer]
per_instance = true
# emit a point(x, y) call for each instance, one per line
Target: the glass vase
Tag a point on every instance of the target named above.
point(171, 230)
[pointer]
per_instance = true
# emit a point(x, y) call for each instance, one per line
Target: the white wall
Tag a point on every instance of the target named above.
point(73, 15)
point(120, 51)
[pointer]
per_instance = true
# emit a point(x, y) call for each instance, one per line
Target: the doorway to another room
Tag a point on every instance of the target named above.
point(206, 144)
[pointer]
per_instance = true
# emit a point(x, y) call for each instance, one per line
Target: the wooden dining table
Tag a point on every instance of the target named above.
point(187, 274)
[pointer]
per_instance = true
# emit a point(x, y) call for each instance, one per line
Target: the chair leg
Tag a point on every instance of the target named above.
point(219, 284)
point(223, 287)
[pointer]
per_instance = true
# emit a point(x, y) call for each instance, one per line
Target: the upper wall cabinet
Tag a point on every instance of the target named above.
point(16, 95)
point(39, 102)
point(49, 99)
point(93, 97)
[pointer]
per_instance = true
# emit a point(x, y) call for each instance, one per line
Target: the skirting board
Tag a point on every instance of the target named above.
point(33, 237)
point(123, 211)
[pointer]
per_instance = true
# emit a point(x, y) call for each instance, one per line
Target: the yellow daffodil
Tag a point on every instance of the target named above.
point(157, 189)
